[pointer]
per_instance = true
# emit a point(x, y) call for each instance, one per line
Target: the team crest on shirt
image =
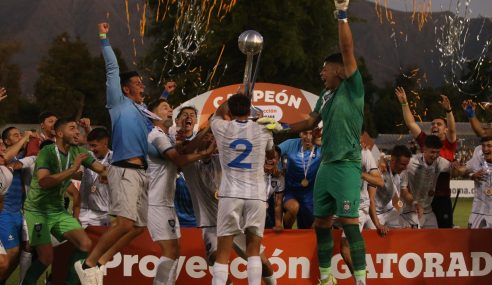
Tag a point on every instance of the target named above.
point(274, 183)
point(37, 229)
point(172, 223)
point(346, 206)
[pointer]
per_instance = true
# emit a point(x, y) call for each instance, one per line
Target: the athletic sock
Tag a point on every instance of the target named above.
point(24, 264)
point(324, 242)
point(220, 274)
point(254, 270)
point(360, 275)
point(72, 277)
point(166, 271)
point(357, 247)
point(270, 280)
point(34, 272)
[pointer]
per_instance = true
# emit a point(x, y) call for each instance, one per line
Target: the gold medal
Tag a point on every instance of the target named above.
point(400, 204)
point(216, 195)
point(304, 182)
point(431, 193)
point(93, 188)
point(488, 192)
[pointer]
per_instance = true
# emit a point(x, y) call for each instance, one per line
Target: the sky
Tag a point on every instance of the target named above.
point(478, 7)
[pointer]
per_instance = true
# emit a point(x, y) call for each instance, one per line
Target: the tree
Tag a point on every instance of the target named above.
point(71, 82)
point(298, 35)
point(9, 78)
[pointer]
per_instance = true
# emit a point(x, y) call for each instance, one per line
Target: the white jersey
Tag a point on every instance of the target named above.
point(422, 179)
point(94, 195)
point(6, 177)
point(161, 172)
point(242, 146)
point(274, 184)
point(482, 202)
point(203, 180)
point(368, 165)
point(384, 195)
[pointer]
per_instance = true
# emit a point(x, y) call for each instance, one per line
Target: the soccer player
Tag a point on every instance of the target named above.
point(479, 168)
point(94, 196)
point(129, 120)
point(242, 145)
point(445, 129)
point(303, 159)
point(420, 180)
point(44, 208)
point(337, 186)
point(388, 201)
point(164, 160)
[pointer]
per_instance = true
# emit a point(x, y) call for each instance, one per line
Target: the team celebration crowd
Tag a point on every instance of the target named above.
point(156, 172)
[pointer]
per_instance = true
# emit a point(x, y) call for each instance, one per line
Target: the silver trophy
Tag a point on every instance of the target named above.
point(250, 43)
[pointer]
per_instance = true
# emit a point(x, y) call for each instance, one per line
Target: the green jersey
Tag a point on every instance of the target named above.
point(342, 112)
point(51, 200)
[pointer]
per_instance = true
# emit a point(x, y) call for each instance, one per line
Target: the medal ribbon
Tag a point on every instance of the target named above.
point(305, 166)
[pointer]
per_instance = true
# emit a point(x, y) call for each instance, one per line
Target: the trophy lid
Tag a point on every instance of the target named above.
point(250, 42)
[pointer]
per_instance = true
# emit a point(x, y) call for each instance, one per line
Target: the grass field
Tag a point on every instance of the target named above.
point(461, 214)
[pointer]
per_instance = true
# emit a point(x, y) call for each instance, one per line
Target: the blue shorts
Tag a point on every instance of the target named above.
point(10, 229)
point(305, 217)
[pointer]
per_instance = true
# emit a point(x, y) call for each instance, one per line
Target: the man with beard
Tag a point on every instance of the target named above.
point(44, 208)
point(445, 130)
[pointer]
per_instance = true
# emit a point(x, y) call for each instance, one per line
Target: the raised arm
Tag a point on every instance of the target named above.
point(113, 88)
point(14, 150)
point(407, 114)
point(446, 105)
point(469, 107)
point(3, 93)
point(345, 38)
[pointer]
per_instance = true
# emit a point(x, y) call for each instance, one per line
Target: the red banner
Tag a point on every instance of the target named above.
point(454, 256)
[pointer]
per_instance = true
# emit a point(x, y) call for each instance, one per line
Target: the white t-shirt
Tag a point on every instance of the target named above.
point(422, 179)
point(203, 180)
point(482, 203)
point(368, 165)
point(161, 171)
point(98, 200)
point(384, 195)
point(274, 184)
point(242, 146)
point(6, 177)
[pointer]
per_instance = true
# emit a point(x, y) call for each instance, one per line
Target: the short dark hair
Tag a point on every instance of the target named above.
point(155, 103)
point(483, 139)
point(334, 58)
point(98, 134)
point(432, 141)
point(187, 108)
point(61, 122)
point(45, 115)
point(401, 150)
point(441, 118)
point(239, 105)
point(125, 77)
point(5, 132)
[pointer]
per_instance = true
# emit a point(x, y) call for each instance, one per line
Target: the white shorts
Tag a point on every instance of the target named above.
point(129, 193)
point(209, 235)
point(163, 224)
point(479, 221)
point(2, 249)
point(392, 219)
point(88, 217)
point(428, 220)
point(236, 216)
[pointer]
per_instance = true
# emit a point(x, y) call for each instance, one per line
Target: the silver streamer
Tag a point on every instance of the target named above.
point(451, 39)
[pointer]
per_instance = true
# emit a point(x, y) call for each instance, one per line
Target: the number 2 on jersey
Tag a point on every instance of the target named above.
point(237, 162)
